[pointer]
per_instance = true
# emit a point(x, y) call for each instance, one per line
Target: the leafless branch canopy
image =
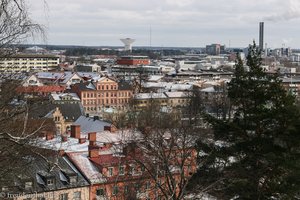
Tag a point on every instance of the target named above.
point(15, 23)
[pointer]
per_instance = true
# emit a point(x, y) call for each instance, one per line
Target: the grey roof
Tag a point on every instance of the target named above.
point(88, 125)
point(124, 86)
point(40, 170)
point(85, 86)
point(70, 111)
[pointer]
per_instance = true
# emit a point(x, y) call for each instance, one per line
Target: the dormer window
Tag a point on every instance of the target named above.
point(50, 181)
point(28, 185)
point(73, 179)
point(4, 189)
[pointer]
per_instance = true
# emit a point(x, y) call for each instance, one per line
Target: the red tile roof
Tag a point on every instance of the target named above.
point(41, 89)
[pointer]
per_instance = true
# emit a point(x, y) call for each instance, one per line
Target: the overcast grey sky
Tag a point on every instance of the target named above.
point(181, 23)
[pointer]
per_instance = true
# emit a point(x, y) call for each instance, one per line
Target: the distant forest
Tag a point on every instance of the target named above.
point(153, 54)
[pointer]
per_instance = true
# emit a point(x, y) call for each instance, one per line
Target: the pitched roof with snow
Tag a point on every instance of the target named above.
point(89, 125)
point(91, 172)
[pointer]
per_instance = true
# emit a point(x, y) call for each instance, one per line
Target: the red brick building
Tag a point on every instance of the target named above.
point(133, 60)
point(124, 174)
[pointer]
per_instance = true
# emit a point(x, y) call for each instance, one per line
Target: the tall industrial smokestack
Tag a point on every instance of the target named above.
point(261, 36)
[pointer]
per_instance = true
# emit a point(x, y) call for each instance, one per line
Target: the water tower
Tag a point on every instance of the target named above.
point(128, 43)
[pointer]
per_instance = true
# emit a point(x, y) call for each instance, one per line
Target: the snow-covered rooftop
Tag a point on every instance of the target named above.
point(117, 138)
point(176, 94)
point(82, 161)
point(155, 78)
point(89, 125)
point(58, 97)
point(150, 96)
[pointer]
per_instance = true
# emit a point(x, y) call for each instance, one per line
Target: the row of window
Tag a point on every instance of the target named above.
point(106, 94)
point(111, 171)
point(105, 101)
point(100, 108)
point(166, 101)
point(138, 187)
point(31, 59)
point(107, 87)
point(65, 196)
point(38, 63)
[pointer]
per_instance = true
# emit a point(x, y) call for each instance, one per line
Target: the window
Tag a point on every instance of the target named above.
point(115, 190)
point(100, 192)
point(131, 171)
point(126, 189)
point(158, 182)
point(110, 171)
point(50, 181)
point(77, 196)
point(28, 185)
point(148, 185)
point(121, 170)
point(137, 187)
point(63, 196)
point(73, 179)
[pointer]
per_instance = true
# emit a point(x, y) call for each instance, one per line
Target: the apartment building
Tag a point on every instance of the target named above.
point(169, 99)
point(133, 60)
point(117, 169)
point(40, 181)
point(104, 93)
point(28, 63)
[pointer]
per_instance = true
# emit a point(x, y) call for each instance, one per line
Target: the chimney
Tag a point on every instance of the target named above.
point(106, 146)
point(64, 138)
point(110, 128)
point(82, 140)
point(93, 148)
point(75, 131)
point(92, 137)
point(49, 135)
point(61, 152)
point(93, 152)
point(96, 118)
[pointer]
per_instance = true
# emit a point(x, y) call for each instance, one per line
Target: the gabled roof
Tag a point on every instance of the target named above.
point(70, 111)
point(124, 86)
point(88, 125)
point(83, 163)
point(39, 171)
point(85, 86)
point(69, 76)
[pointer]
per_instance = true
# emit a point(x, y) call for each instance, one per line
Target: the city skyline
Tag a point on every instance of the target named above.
point(167, 23)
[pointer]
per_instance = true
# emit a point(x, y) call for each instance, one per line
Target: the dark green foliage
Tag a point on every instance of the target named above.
point(260, 151)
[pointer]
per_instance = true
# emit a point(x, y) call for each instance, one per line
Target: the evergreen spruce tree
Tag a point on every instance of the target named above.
point(257, 155)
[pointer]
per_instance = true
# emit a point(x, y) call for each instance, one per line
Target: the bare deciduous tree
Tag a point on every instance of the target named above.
point(16, 129)
point(167, 149)
point(15, 24)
